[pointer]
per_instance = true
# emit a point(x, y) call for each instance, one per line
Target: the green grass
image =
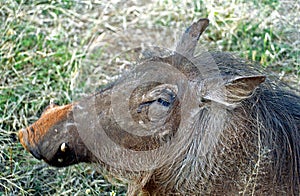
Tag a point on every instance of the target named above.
point(46, 53)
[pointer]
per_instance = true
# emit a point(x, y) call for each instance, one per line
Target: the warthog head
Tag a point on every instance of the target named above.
point(181, 123)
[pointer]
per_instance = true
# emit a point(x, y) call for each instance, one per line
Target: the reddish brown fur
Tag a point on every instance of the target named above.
point(51, 116)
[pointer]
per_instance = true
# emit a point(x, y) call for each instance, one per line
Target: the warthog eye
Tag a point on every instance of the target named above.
point(167, 98)
point(163, 102)
point(152, 102)
point(160, 107)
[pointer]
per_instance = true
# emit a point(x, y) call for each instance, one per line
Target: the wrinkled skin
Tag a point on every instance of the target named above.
point(257, 148)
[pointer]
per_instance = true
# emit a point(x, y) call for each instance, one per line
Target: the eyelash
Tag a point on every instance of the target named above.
point(139, 110)
point(159, 100)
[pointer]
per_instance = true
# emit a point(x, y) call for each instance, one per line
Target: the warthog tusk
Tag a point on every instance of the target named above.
point(63, 147)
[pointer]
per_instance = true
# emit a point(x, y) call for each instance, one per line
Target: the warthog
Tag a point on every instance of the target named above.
point(181, 124)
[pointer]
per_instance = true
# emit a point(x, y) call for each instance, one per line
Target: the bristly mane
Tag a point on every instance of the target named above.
point(276, 110)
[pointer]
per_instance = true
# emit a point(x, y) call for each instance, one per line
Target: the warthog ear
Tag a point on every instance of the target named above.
point(241, 88)
point(234, 90)
point(187, 44)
